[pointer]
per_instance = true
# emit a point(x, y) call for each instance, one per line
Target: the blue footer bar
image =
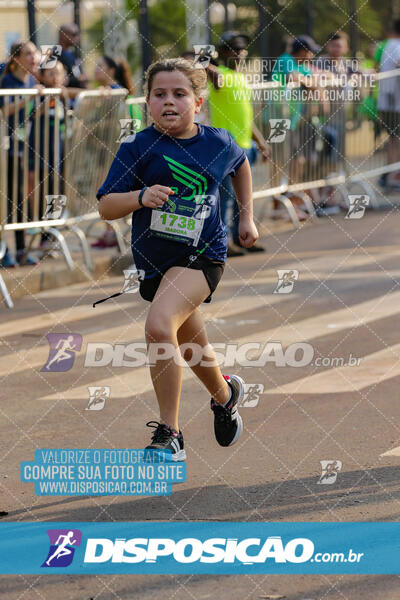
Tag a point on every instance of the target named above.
point(199, 547)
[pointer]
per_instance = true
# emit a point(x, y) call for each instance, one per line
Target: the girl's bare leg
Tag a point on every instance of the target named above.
point(193, 331)
point(180, 292)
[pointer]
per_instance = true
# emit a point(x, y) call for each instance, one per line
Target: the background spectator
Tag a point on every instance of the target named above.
point(380, 46)
point(231, 108)
point(296, 67)
point(113, 74)
point(20, 65)
point(69, 38)
point(337, 48)
point(48, 78)
point(389, 102)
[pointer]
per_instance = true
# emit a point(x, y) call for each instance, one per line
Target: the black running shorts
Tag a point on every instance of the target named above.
point(212, 270)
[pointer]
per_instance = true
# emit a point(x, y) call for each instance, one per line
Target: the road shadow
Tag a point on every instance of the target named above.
point(272, 501)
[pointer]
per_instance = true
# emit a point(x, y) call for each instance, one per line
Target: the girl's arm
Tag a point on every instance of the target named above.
point(242, 185)
point(243, 190)
point(12, 105)
point(115, 206)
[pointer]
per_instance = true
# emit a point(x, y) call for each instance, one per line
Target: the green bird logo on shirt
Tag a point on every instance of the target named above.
point(194, 181)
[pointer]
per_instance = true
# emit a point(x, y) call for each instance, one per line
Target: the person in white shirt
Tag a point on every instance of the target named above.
point(389, 100)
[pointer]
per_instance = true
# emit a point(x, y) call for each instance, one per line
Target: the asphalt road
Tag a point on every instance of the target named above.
point(345, 302)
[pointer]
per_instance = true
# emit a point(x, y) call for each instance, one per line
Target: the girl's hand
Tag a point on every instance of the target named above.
point(39, 86)
point(156, 195)
point(104, 91)
point(248, 234)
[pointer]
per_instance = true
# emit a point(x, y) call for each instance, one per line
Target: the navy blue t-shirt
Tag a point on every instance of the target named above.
point(194, 168)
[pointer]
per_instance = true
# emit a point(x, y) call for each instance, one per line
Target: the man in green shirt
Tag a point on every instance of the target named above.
point(231, 108)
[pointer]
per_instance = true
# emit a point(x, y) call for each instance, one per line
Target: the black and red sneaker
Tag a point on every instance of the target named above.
point(165, 439)
point(228, 424)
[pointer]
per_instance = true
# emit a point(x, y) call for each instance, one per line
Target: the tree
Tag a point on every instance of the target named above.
point(285, 18)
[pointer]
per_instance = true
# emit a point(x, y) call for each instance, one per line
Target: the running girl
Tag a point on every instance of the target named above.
point(168, 177)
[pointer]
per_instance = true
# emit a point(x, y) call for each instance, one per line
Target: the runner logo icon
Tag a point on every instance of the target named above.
point(49, 56)
point(252, 392)
point(203, 55)
point(278, 130)
point(129, 127)
point(286, 280)
point(97, 397)
point(62, 351)
point(55, 204)
point(62, 547)
point(330, 470)
point(133, 277)
point(357, 206)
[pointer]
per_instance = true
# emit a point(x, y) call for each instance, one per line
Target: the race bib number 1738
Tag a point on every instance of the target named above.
point(180, 228)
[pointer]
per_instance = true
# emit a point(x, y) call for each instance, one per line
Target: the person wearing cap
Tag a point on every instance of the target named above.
point(231, 109)
point(296, 64)
point(296, 67)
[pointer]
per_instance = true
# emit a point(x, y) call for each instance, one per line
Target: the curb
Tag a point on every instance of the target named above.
point(53, 274)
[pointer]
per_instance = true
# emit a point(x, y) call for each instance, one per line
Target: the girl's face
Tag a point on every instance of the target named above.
point(55, 77)
point(27, 58)
point(172, 103)
point(102, 73)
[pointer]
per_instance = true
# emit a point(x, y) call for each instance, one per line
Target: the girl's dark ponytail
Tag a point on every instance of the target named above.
point(122, 73)
point(15, 50)
point(124, 77)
